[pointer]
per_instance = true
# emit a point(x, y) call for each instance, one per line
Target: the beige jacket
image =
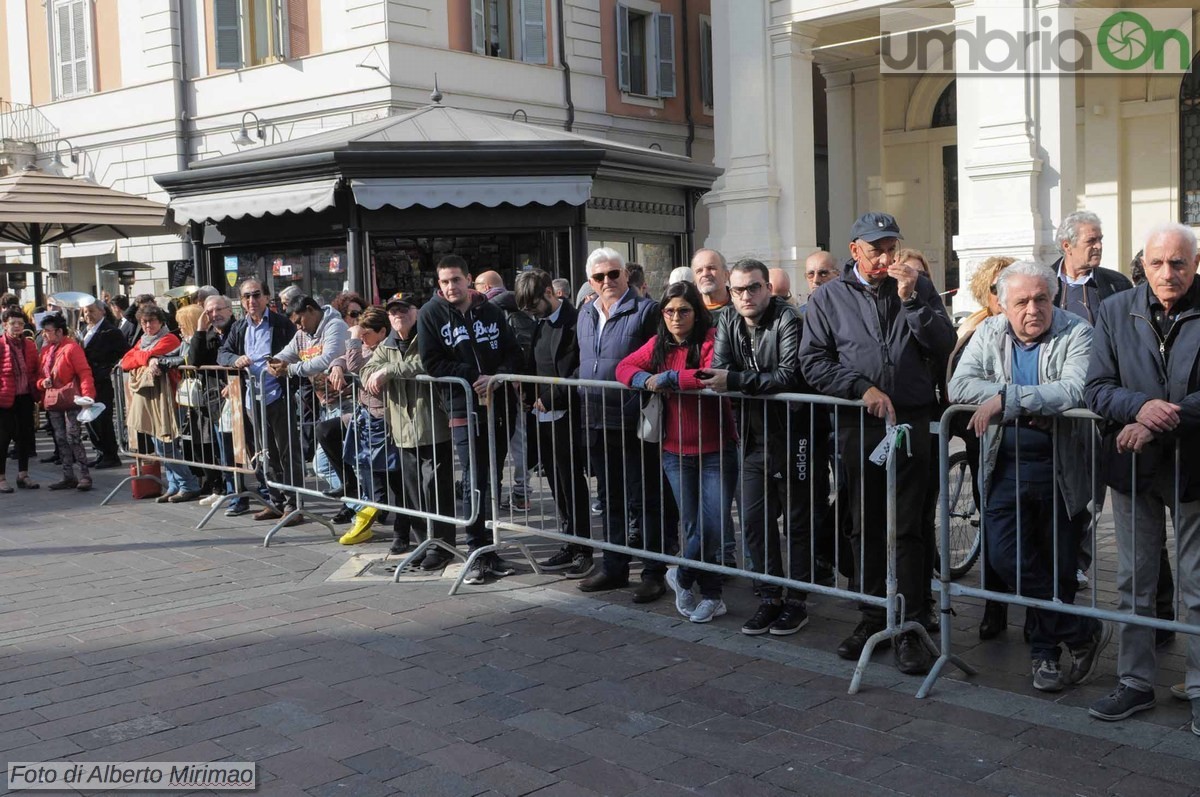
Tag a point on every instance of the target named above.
point(151, 406)
point(415, 412)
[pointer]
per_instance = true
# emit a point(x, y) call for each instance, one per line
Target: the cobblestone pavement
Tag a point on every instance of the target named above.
point(127, 635)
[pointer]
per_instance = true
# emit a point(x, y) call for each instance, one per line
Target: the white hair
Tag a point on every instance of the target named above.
point(681, 274)
point(1068, 230)
point(1169, 229)
point(604, 255)
point(1025, 268)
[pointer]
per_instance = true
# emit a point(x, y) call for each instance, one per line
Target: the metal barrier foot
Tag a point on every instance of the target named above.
point(936, 671)
point(128, 479)
point(423, 548)
point(868, 650)
point(524, 549)
point(475, 554)
point(304, 513)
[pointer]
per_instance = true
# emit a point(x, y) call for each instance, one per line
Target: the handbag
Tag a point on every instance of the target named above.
point(190, 393)
point(59, 399)
point(650, 421)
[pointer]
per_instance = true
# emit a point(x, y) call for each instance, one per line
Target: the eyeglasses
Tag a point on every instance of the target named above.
point(680, 312)
point(354, 314)
point(612, 276)
point(751, 289)
point(252, 295)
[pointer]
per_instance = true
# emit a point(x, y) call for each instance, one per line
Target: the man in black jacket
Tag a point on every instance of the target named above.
point(555, 352)
point(460, 333)
point(257, 337)
point(204, 348)
point(757, 352)
point(1082, 282)
point(1142, 379)
point(871, 335)
point(104, 345)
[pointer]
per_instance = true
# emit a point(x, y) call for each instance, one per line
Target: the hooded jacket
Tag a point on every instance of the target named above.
point(310, 355)
point(985, 369)
point(855, 340)
point(466, 344)
point(1131, 363)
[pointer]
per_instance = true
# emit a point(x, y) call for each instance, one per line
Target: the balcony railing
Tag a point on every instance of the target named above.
point(20, 122)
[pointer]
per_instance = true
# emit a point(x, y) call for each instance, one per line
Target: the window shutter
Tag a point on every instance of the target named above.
point(297, 28)
point(623, 68)
point(533, 31)
point(80, 51)
point(706, 64)
point(478, 28)
point(664, 27)
point(64, 42)
point(228, 29)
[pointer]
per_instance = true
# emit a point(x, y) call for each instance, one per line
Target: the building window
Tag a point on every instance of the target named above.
point(1189, 146)
point(645, 51)
point(513, 29)
point(252, 32)
point(71, 29)
point(706, 62)
point(945, 111)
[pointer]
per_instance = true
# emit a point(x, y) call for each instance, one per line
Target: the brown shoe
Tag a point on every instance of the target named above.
point(295, 520)
point(268, 513)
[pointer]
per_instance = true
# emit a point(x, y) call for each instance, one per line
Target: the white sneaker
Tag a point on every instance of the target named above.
point(1081, 579)
point(209, 500)
point(685, 599)
point(707, 610)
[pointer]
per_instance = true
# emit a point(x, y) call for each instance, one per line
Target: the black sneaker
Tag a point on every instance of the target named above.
point(498, 566)
point(793, 617)
point(564, 559)
point(478, 572)
point(761, 622)
point(852, 646)
point(1086, 658)
point(1122, 702)
point(515, 502)
point(343, 516)
point(435, 559)
point(581, 567)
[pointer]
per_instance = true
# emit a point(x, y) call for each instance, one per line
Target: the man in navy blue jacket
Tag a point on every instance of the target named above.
point(628, 472)
point(871, 336)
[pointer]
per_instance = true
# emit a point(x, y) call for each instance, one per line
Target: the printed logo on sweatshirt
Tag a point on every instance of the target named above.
point(488, 334)
point(312, 352)
point(456, 335)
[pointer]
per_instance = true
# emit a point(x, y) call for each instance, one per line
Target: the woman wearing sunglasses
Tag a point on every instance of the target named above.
point(699, 441)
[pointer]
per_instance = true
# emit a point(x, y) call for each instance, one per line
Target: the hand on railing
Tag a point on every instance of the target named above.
point(337, 378)
point(1133, 438)
point(985, 415)
point(879, 404)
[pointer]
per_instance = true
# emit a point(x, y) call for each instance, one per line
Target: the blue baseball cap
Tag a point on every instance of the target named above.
point(871, 227)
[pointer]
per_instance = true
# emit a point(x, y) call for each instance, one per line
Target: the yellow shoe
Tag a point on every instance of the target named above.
point(361, 530)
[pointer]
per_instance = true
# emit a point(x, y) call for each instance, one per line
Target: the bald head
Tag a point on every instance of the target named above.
point(712, 276)
point(820, 267)
point(781, 284)
point(489, 280)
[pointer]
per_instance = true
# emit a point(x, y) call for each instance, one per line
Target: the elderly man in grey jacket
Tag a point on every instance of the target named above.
point(1144, 379)
point(1024, 368)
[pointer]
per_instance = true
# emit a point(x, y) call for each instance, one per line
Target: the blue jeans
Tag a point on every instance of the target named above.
point(703, 485)
point(180, 478)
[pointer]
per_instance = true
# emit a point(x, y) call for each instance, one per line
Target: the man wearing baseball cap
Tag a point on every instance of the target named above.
point(870, 335)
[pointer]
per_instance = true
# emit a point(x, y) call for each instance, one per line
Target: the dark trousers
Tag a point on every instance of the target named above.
point(1039, 506)
point(330, 435)
point(16, 425)
point(792, 482)
point(561, 453)
point(284, 462)
point(483, 477)
point(630, 470)
point(425, 482)
point(868, 508)
point(100, 431)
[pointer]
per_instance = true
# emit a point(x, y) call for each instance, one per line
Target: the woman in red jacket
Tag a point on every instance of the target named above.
point(699, 442)
point(65, 365)
point(20, 377)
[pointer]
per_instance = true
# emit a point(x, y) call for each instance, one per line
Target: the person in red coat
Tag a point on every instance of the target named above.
point(20, 378)
point(699, 441)
point(65, 365)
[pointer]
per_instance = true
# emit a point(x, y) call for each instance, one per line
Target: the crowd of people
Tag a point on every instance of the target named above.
point(332, 389)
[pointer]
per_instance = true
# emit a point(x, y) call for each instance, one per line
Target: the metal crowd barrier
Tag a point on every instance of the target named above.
point(951, 589)
point(208, 429)
point(608, 398)
point(369, 459)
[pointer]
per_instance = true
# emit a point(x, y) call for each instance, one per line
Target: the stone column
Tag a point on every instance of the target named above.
point(843, 175)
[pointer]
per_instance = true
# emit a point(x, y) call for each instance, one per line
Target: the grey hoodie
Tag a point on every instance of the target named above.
point(310, 355)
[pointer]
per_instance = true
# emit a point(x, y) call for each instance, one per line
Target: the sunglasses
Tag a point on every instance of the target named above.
point(354, 314)
point(677, 312)
point(611, 276)
point(252, 295)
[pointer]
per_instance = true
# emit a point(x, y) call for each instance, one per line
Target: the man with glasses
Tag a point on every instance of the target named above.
point(253, 340)
point(212, 329)
point(869, 336)
point(819, 267)
point(628, 472)
point(757, 352)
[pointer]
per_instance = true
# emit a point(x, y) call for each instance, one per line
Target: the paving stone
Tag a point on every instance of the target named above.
point(1138, 785)
point(431, 782)
point(689, 772)
point(634, 754)
point(285, 717)
point(535, 751)
point(353, 786)
point(305, 768)
point(498, 681)
point(547, 724)
point(336, 740)
point(257, 744)
point(513, 779)
point(462, 758)
point(605, 777)
point(384, 763)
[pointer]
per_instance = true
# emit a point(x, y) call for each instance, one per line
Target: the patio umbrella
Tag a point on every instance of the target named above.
point(37, 208)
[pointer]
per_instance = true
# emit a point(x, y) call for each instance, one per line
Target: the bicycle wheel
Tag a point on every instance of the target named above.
point(964, 517)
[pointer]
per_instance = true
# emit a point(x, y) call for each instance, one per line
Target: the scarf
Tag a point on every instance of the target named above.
point(146, 342)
